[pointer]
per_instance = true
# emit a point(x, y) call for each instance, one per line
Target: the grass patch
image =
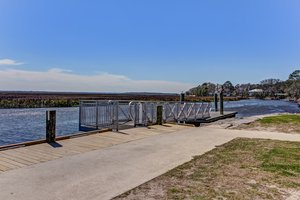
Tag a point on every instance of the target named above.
point(287, 123)
point(281, 119)
point(282, 159)
point(240, 169)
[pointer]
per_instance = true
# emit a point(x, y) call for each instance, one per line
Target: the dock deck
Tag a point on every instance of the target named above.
point(15, 158)
point(214, 116)
point(25, 156)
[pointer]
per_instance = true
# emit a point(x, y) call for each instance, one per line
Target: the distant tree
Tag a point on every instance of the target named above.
point(270, 87)
point(270, 81)
point(242, 90)
point(211, 87)
point(293, 89)
point(228, 88)
point(205, 89)
point(295, 75)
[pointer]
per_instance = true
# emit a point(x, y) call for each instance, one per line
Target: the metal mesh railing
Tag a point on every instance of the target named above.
point(112, 114)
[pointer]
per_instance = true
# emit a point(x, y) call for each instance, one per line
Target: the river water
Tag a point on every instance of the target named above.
point(246, 108)
point(20, 125)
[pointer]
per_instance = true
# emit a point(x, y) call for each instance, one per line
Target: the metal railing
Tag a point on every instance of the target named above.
point(98, 114)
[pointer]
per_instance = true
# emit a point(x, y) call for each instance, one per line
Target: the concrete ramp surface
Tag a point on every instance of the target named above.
point(106, 173)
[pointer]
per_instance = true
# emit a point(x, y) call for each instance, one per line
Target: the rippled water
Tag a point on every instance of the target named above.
point(20, 125)
point(252, 107)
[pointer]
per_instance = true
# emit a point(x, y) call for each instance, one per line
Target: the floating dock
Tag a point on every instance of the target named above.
point(214, 116)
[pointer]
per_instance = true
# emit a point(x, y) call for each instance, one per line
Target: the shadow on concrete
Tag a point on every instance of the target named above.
point(121, 133)
point(55, 145)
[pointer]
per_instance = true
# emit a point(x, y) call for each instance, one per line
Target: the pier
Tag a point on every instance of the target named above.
point(85, 169)
point(15, 157)
point(95, 116)
point(114, 114)
point(120, 138)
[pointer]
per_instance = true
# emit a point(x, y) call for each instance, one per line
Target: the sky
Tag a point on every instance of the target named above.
point(145, 46)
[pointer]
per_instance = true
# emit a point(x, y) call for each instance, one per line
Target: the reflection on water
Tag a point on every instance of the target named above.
point(19, 125)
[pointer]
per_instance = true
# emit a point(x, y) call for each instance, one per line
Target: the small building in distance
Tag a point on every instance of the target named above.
point(255, 92)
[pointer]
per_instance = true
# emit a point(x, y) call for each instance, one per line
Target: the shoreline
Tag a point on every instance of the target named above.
point(233, 123)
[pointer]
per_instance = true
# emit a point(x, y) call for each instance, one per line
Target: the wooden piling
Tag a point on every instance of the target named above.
point(216, 102)
point(159, 115)
point(221, 103)
point(50, 126)
point(182, 97)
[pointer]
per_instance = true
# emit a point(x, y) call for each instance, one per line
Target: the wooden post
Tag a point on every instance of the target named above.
point(50, 125)
point(221, 103)
point(80, 109)
point(216, 102)
point(182, 97)
point(159, 115)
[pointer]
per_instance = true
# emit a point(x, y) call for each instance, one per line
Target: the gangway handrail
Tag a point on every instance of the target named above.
point(97, 114)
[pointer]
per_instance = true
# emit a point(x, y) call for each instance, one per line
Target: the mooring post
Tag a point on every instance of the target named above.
point(221, 103)
point(216, 101)
point(80, 110)
point(182, 98)
point(50, 125)
point(159, 115)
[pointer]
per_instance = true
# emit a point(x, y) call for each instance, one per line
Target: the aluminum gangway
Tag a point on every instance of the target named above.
point(100, 114)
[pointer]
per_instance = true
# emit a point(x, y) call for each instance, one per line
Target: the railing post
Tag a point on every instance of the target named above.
point(97, 116)
point(145, 120)
point(50, 126)
point(136, 117)
point(116, 116)
point(159, 115)
point(177, 112)
point(152, 112)
point(221, 103)
point(141, 114)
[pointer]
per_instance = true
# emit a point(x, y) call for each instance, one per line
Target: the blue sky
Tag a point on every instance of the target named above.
point(149, 45)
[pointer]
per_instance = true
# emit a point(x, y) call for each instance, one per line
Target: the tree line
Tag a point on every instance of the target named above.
point(41, 101)
point(268, 88)
point(37, 103)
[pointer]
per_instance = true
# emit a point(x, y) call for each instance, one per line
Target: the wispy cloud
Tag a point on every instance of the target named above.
point(64, 80)
point(9, 62)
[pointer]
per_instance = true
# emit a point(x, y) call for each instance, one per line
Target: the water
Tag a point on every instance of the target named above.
point(246, 108)
point(20, 125)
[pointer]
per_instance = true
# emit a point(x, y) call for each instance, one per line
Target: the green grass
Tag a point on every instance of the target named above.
point(240, 169)
point(284, 159)
point(281, 119)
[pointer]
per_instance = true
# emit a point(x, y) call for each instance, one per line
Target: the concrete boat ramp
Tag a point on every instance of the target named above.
point(104, 165)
